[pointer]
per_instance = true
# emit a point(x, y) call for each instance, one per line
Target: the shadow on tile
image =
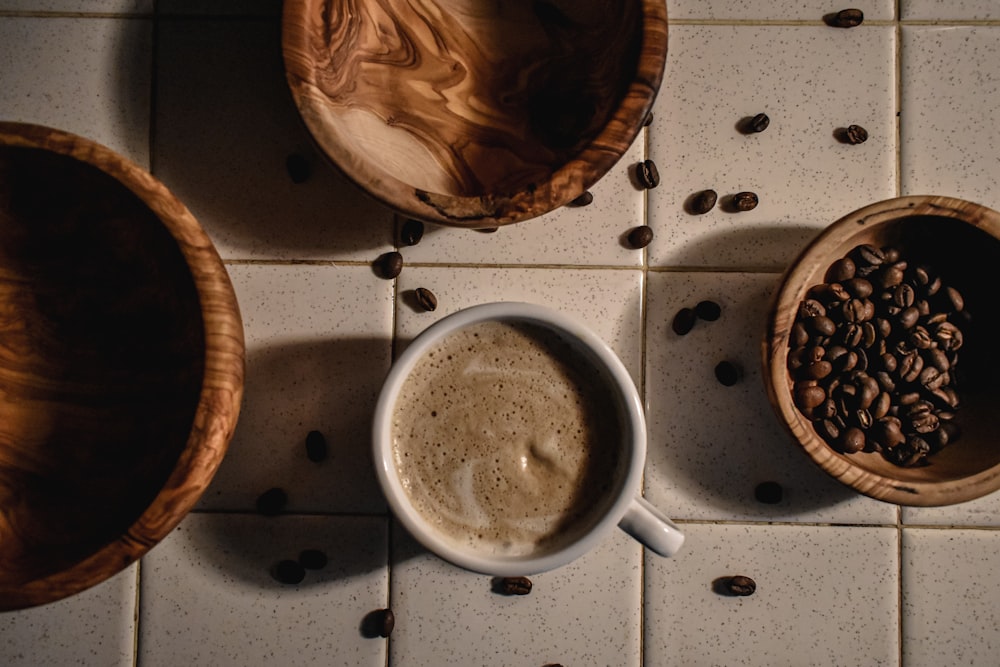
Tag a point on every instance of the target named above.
point(326, 385)
point(224, 128)
point(756, 246)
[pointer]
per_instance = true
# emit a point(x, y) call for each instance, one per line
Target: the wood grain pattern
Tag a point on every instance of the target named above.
point(121, 363)
point(960, 240)
point(471, 113)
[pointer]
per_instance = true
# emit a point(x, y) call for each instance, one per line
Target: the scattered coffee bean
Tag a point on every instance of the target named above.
point(411, 232)
point(389, 265)
point(873, 353)
point(426, 299)
point(745, 201)
point(272, 501)
point(586, 199)
point(704, 202)
point(727, 373)
point(769, 493)
point(684, 321)
point(289, 572)
point(316, 448)
point(855, 134)
point(386, 622)
point(741, 585)
point(298, 168)
point(647, 174)
point(640, 237)
point(488, 230)
point(515, 585)
point(648, 120)
point(709, 311)
point(847, 18)
point(312, 559)
point(758, 123)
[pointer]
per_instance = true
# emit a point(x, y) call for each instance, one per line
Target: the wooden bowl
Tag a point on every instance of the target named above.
point(960, 241)
point(121, 363)
point(474, 114)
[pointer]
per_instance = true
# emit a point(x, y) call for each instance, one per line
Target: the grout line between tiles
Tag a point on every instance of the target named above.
point(498, 265)
point(135, 614)
point(898, 87)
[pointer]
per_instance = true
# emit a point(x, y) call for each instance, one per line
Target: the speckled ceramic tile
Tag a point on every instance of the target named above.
point(824, 596)
point(94, 627)
point(606, 300)
point(980, 512)
point(593, 234)
point(950, 127)
point(710, 445)
point(208, 594)
point(586, 613)
point(785, 10)
point(81, 6)
point(89, 76)
point(953, 10)
point(225, 126)
point(318, 348)
point(951, 597)
point(812, 82)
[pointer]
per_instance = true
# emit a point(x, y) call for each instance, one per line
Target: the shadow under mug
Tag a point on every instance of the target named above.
point(624, 505)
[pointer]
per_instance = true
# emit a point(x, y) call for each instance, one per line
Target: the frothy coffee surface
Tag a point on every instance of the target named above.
point(504, 437)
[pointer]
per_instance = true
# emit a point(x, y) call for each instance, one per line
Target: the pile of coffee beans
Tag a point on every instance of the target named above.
point(873, 355)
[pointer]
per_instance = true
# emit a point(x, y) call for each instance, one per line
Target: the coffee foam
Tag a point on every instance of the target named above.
point(504, 437)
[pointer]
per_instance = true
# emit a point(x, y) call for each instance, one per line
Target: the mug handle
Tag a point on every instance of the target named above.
point(651, 527)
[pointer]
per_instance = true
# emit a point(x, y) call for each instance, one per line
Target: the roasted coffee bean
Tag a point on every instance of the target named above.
point(827, 429)
point(851, 334)
point(704, 202)
point(647, 174)
point(887, 432)
point(920, 338)
point(931, 378)
point(426, 299)
point(821, 325)
point(869, 335)
point(745, 201)
point(741, 585)
point(389, 265)
point(411, 232)
point(815, 353)
point(272, 501)
point(847, 18)
point(889, 276)
point(903, 295)
point(869, 255)
point(955, 299)
point(883, 327)
point(841, 271)
point(289, 572)
point(817, 370)
point(758, 123)
point(937, 358)
point(854, 310)
point(685, 319)
point(885, 381)
point(298, 168)
point(728, 373)
point(852, 440)
point(811, 308)
point(799, 335)
point(908, 317)
point(825, 410)
point(515, 585)
point(312, 559)
point(586, 199)
point(855, 134)
point(808, 395)
point(709, 311)
point(947, 336)
point(860, 288)
point(640, 236)
point(880, 407)
point(316, 449)
point(648, 120)
point(387, 622)
point(769, 493)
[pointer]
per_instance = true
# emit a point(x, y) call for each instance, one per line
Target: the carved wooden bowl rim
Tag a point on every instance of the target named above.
point(868, 473)
point(567, 182)
point(221, 386)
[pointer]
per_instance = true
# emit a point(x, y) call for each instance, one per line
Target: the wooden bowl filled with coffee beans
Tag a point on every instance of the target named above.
point(474, 114)
point(121, 363)
point(880, 356)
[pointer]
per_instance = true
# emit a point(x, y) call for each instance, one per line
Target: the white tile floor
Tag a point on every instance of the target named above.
point(195, 91)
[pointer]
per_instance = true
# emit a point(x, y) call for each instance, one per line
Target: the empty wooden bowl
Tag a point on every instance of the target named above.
point(474, 114)
point(960, 242)
point(121, 363)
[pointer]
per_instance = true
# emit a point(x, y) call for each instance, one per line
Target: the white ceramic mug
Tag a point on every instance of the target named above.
point(625, 506)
